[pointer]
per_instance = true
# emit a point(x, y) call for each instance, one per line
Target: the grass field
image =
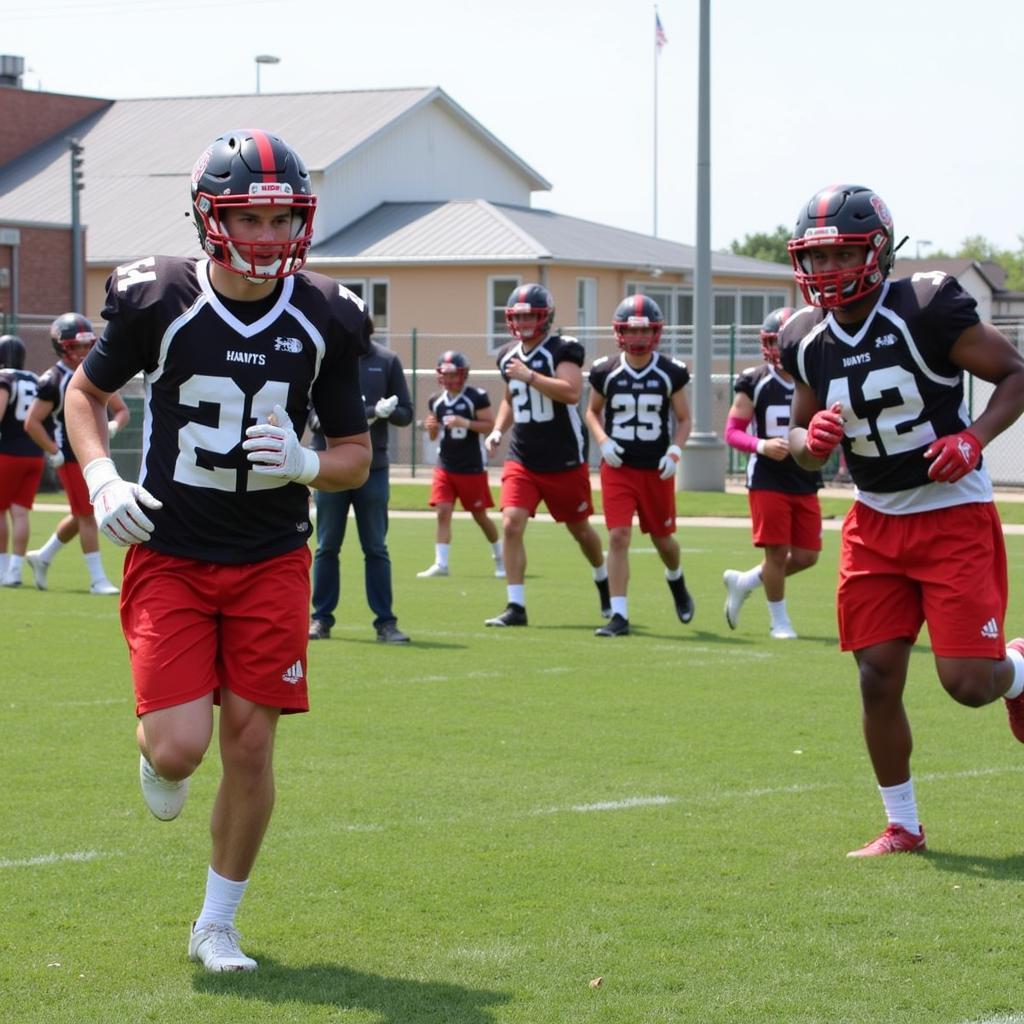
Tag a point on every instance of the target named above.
point(473, 829)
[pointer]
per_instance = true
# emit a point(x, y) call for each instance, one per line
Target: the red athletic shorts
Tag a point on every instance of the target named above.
point(19, 480)
point(780, 518)
point(946, 567)
point(566, 493)
point(626, 490)
point(470, 488)
point(77, 492)
point(193, 627)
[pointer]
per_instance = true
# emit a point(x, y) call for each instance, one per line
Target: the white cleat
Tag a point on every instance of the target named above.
point(11, 579)
point(499, 568)
point(736, 596)
point(163, 797)
point(104, 588)
point(434, 570)
point(39, 568)
point(783, 631)
point(218, 948)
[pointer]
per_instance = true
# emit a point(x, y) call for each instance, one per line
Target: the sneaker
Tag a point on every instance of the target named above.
point(682, 599)
point(895, 839)
point(783, 631)
point(606, 597)
point(11, 579)
point(103, 588)
point(499, 568)
point(163, 797)
point(434, 570)
point(218, 948)
point(737, 595)
point(513, 615)
point(319, 630)
point(615, 626)
point(1015, 705)
point(389, 633)
point(39, 568)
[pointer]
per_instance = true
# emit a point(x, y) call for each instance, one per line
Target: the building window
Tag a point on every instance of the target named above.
point(586, 301)
point(374, 292)
point(498, 291)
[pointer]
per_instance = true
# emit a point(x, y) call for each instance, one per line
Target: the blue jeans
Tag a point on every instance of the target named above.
point(370, 503)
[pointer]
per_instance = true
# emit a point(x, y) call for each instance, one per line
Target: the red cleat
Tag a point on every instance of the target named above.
point(895, 839)
point(1015, 705)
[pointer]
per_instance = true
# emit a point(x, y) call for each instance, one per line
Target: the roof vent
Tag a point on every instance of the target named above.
point(11, 70)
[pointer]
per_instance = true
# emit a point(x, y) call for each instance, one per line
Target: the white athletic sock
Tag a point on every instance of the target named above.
point(777, 610)
point(222, 898)
point(1015, 658)
point(497, 551)
point(441, 554)
point(751, 579)
point(601, 572)
point(51, 548)
point(620, 606)
point(517, 594)
point(674, 574)
point(14, 563)
point(95, 565)
point(901, 806)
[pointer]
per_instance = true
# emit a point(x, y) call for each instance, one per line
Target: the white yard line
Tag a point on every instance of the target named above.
point(77, 856)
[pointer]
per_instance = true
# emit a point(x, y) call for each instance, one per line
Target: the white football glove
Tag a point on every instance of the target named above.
point(116, 503)
point(492, 440)
point(612, 452)
point(670, 462)
point(55, 459)
point(274, 450)
point(112, 428)
point(385, 407)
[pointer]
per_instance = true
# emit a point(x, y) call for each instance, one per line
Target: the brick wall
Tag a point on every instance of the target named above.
point(29, 118)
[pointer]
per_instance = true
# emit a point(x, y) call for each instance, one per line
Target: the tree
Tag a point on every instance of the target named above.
point(765, 246)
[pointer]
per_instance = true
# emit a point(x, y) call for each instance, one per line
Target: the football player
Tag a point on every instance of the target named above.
point(21, 461)
point(879, 367)
point(460, 416)
point(547, 456)
point(72, 338)
point(231, 347)
point(784, 507)
point(631, 398)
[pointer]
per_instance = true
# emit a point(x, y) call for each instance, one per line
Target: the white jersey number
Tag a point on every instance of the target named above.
point(226, 433)
point(529, 405)
point(636, 417)
point(893, 430)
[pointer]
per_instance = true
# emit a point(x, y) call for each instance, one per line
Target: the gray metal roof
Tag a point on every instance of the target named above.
point(139, 154)
point(474, 230)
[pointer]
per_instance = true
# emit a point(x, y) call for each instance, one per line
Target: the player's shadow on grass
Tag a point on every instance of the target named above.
point(997, 869)
point(395, 1000)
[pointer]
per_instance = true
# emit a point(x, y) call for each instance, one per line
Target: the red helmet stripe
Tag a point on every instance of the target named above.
point(266, 154)
point(823, 200)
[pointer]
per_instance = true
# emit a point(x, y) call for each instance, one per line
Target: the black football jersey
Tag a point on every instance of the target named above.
point(51, 388)
point(209, 374)
point(772, 397)
point(548, 436)
point(460, 449)
point(897, 386)
point(638, 403)
point(21, 387)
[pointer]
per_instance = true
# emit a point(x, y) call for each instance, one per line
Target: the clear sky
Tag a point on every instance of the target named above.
point(918, 100)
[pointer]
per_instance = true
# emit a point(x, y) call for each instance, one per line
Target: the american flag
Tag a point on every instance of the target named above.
point(660, 39)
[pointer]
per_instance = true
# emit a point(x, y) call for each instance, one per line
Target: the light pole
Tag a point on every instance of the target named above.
point(264, 58)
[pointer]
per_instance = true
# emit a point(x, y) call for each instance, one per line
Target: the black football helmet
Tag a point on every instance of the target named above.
point(637, 312)
point(12, 352)
point(842, 215)
point(773, 323)
point(250, 167)
point(72, 336)
point(530, 298)
point(452, 370)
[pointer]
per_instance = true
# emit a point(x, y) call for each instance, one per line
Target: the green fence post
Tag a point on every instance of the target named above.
point(415, 407)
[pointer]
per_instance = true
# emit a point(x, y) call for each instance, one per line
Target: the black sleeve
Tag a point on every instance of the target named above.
point(402, 416)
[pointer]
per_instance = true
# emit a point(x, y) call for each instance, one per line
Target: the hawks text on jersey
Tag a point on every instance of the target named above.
point(772, 398)
point(548, 436)
point(460, 449)
point(637, 404)
point(898, 388)
point(212, 368)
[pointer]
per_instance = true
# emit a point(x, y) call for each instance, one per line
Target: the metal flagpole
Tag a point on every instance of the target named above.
point(657, 51)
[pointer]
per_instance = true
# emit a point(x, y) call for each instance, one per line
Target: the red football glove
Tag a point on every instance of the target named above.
point(953, 457)
point(824, 431)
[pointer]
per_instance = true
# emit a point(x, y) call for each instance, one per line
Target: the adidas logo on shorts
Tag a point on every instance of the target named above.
point(990, 630)
point(293, 674)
